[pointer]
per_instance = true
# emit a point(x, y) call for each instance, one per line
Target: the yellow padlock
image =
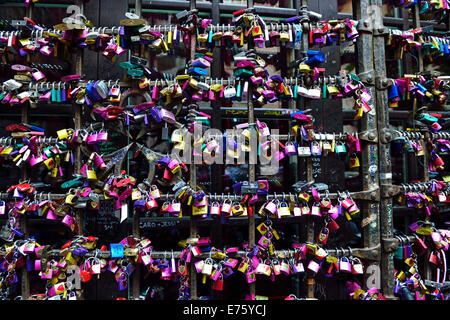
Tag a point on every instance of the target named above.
point(202, 37)
point(197, 211)
point(54, 172)
point(144, 83)
point(283, 211)
point(193, 83)
point(237, 209)
point(216, 87)
point(182, 77)
point(164, 47)
point(359, 114)
point(304, 68)
point(401, 276)
point(91, 175)
point(135, 195)
point(256, 29)
point(49, 163)
point(62, 134)
point(284, 36)
point(333, 90)
point(354, 162)
point(303, 196)
point(6, 152)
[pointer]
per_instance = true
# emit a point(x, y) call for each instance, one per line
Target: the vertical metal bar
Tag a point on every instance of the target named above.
point(216, 72)
point(426, 163)
point(251, 167)
point(309, 174)
point(384, 163)
point(25, 281)
point(136, 280)
point(217, 170)
point(193, 170)
point(293, 161)
point(78, 125)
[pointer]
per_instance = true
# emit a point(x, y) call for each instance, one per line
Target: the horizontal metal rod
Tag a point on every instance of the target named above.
point(165, 83)
point(397, 22)
point(287, 253)
point(207, 6)
point(362, 195)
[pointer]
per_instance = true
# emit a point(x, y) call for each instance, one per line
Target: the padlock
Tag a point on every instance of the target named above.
point(214, 209)
point(354, 161)
point(270, 208)
point(226, 207)
point(315, 148)
point(315, 210)
point(154, 191)
point(313, 266)
point(304, 151)
point(290, 149)
point(344, 265)
point(322, 237)
point(283, 210)
point(91, 175)
point(237, 209)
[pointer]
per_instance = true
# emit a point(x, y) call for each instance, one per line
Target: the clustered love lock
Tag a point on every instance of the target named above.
point(169, 136)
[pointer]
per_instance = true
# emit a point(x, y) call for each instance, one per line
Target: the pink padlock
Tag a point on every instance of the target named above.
point(270, 208)
point(289, 149)
point(226, 207)
point(37, 264)
point(313, 266)
point(214, 209)
point(102, 136)
point(315, 210)
point(345, 265)
point(298, 267)
point(68, 221)
point(98, 162)
point(351, 88)
point(45, 97)
point(34, 160)
point(297, 212)
point(253, 199)
point(173, 164)
point(51, 215)
point(167, 116)
point(46, 50)
point(92, 138)
point(195, 251)
point(347, 203)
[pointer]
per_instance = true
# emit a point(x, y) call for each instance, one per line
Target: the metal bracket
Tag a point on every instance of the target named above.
point(369, 136)
point(372, 253)
point(382, 83)
point(381, 31)
point(365, 25)
point(386, 136)
point(390, 244)
point(390, 190)
point(368, 195)
point(367, 77)
point(441, 286)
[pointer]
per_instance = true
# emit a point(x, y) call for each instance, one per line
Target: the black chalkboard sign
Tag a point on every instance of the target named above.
point(115, 141)
point(103, 221)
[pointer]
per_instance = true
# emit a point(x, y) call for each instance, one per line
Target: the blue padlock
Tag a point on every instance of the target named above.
point(116, 250)
point(393, 95)
point(198, 71)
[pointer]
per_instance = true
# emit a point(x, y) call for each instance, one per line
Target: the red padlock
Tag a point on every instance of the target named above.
point(218, 285)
